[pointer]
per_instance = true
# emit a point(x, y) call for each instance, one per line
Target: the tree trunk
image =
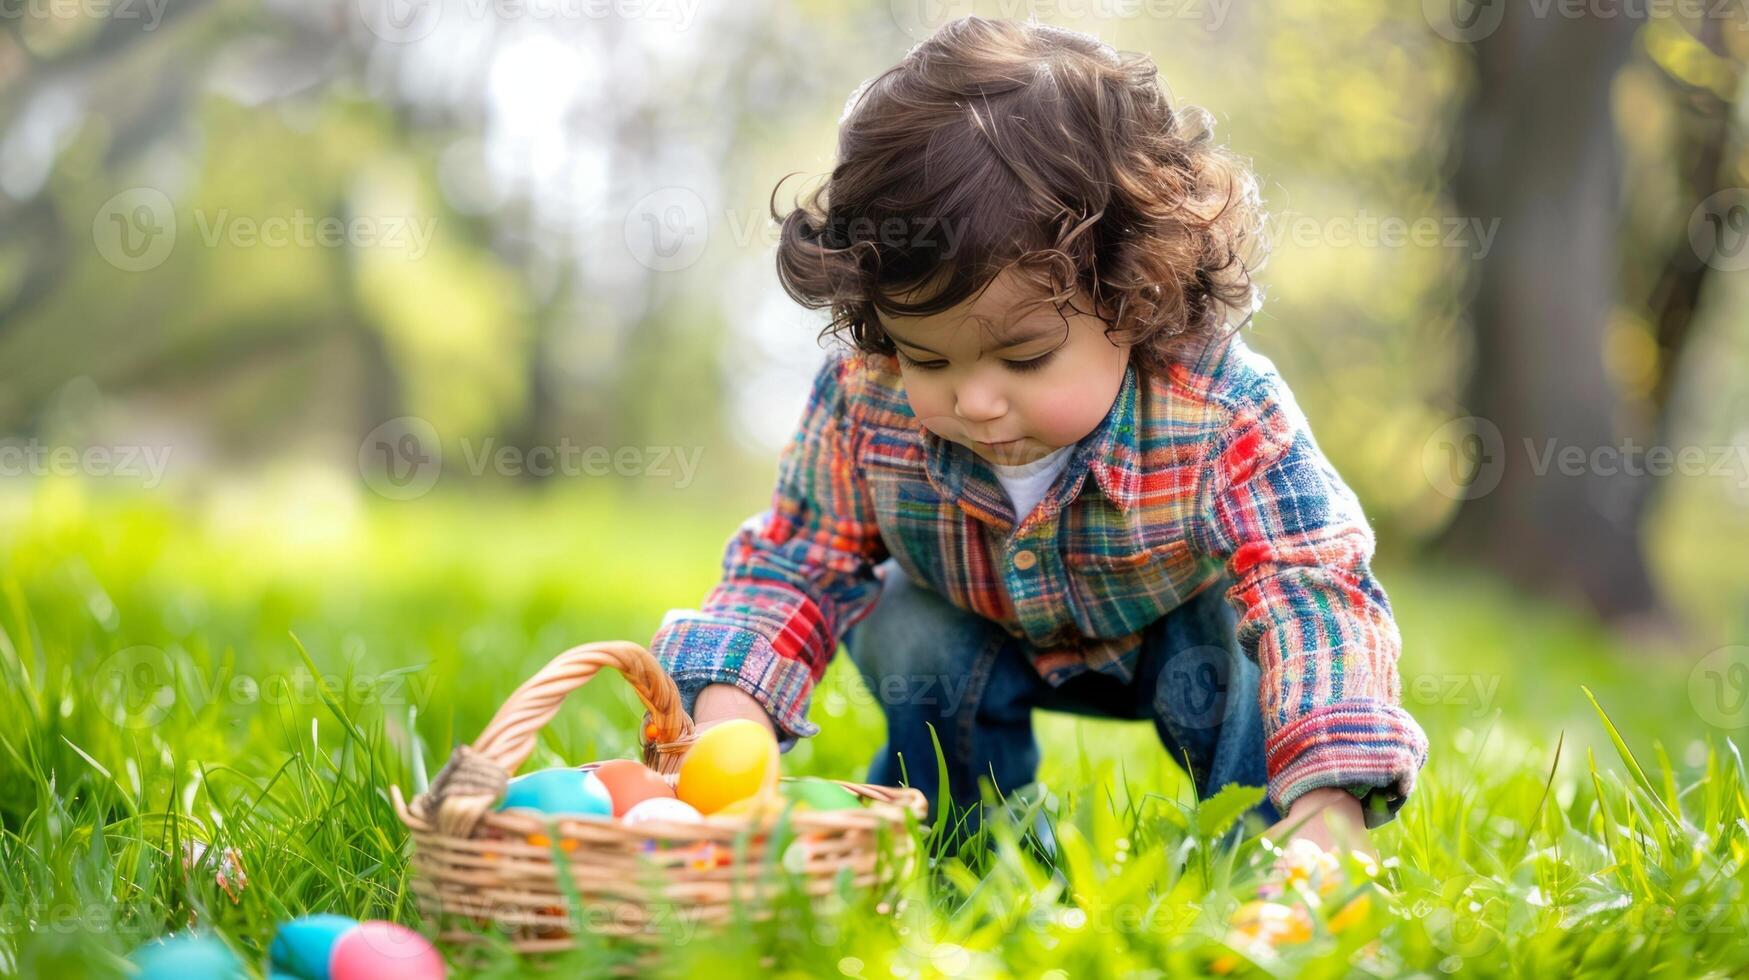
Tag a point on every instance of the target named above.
point(1539, 154)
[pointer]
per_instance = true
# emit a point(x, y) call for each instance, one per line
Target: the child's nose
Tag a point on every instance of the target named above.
point(979, 404)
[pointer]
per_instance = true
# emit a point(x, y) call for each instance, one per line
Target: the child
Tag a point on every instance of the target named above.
point(1049, 474)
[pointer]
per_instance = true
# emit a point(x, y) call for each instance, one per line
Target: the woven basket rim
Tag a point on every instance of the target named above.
point(474, 862)
point(873, 811)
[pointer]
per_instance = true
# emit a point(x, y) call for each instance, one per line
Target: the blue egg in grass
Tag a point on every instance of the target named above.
point(558, 791)
point(302, 946)
point(186, 956)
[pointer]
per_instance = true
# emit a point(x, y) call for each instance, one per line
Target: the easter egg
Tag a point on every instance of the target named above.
point(764, 806)
point(558, 791)
point(186, 956)
point(303, 946)
point(795, 857)
point(630, 782)
point(661, 808)
point(379, 950)
point(225, 866)
point(728, 762)
point(820, 794)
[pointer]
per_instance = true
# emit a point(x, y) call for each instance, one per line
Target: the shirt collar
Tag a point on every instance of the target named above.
point(1108, 453)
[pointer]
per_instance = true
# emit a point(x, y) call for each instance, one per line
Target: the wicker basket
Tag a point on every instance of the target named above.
point(477, 865)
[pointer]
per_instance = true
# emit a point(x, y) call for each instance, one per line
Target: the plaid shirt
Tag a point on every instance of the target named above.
point(1209, 468)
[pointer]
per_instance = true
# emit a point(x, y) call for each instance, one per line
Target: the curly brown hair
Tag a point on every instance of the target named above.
point(998, 143)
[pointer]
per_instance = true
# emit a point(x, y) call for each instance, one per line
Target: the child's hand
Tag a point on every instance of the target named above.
point(717, 703)
point(1330, 818)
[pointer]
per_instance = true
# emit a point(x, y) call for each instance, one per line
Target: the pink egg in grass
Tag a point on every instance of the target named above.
point(380, 950)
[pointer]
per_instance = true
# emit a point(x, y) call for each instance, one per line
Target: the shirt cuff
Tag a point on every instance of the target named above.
point(698, 652)
point(1371, 748)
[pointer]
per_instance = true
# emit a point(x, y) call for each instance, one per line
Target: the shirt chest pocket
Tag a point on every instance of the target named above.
point(1113, 596)
point(912, 518)
point(905, 504)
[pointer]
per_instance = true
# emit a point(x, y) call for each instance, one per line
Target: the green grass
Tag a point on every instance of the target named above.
point(1624, 857)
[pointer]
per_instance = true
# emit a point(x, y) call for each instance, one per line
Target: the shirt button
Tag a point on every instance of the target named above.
point(1024, 560)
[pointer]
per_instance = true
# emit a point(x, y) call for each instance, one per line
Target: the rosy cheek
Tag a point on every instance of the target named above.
point(931, 408)
point(1063, 417)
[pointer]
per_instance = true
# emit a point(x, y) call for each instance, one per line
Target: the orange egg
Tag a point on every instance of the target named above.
point(728, 762)
point(630, 782)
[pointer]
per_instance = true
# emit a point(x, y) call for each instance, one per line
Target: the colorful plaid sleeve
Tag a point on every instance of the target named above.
point(1311, 614)
point(795, 576)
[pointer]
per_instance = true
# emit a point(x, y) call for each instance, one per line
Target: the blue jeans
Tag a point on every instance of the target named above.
point(928, 662)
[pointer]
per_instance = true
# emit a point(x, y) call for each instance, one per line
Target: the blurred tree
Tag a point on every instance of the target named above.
point(1705, 70)
point(1540, 152)
point(523, 138)
point(44, 61)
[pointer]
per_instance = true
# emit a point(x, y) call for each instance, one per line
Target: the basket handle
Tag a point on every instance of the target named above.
point(474, 778)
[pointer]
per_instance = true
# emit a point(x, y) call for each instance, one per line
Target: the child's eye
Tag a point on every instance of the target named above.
point(921, 365)
point(1033, 364)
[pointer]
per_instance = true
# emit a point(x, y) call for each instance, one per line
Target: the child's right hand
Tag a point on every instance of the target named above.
point(717, 703)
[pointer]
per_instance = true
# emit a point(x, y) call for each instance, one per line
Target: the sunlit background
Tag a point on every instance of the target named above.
point(434, 336)
point(249, 234)
point(447, 333)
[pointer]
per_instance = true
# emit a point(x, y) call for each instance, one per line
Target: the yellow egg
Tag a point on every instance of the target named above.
point(764, 806)
point(728, 762)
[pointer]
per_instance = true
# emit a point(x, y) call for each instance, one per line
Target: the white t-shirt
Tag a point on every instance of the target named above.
point(1027, 483)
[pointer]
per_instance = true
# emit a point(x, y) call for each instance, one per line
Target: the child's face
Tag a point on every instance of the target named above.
point(1008, 376)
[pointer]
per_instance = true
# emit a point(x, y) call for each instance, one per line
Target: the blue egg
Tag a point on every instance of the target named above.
point(558, 791)
point(302, 946)
point(187, 956)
